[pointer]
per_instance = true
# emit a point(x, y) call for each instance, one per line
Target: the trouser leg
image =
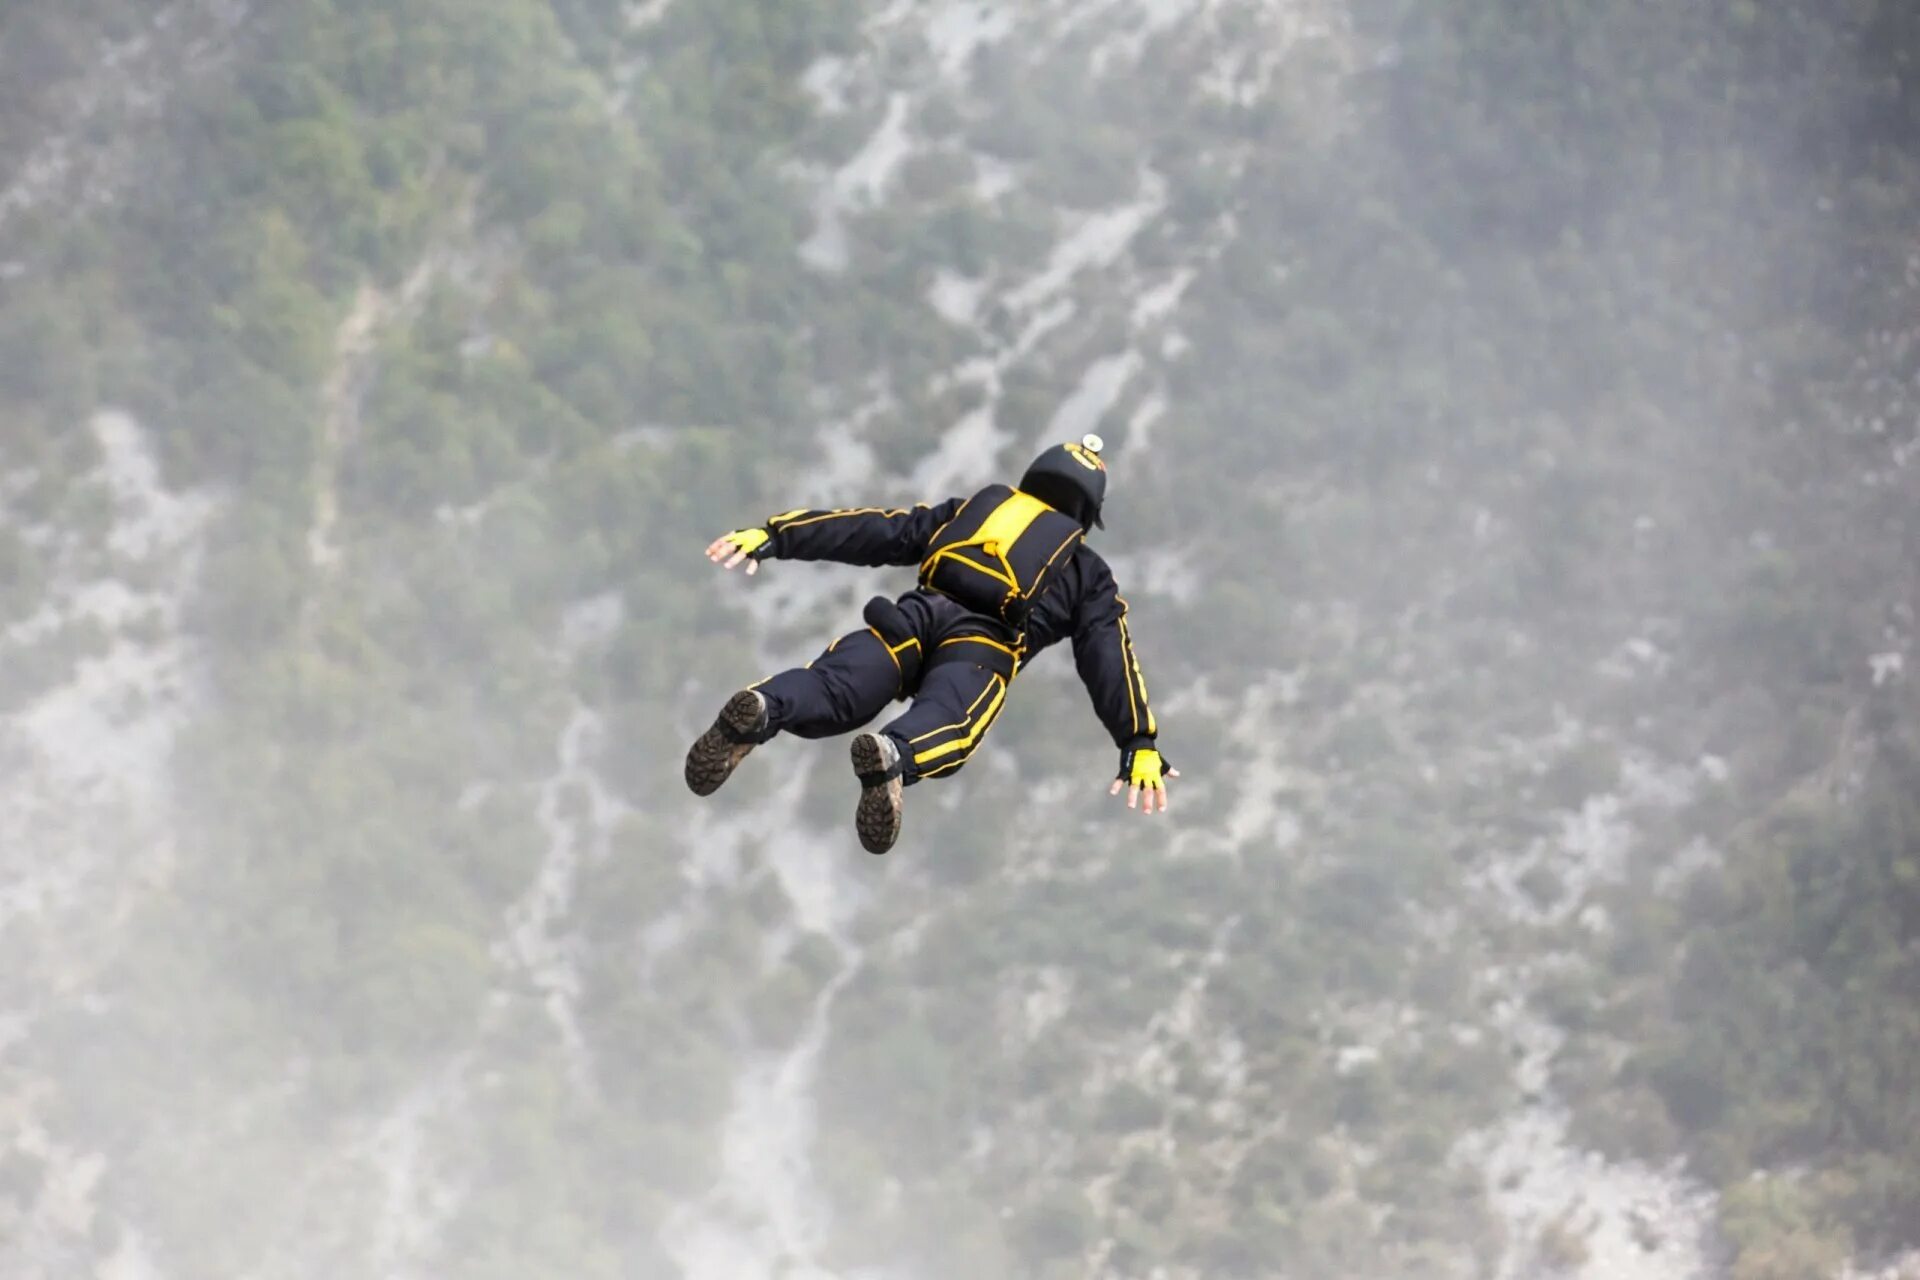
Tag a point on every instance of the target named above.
point(836, 693)
point(956, 704)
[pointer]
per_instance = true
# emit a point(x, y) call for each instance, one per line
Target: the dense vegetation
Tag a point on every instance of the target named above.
point(581, 270)
point(1572, 323)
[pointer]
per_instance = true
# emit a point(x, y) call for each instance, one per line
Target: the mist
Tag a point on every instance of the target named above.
point(1512, 414)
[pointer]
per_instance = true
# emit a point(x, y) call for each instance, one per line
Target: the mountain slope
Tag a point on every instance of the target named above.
point(1510, 414)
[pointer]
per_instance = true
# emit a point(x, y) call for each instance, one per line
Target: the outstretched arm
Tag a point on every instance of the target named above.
point(855, 535)
point(1103, 653)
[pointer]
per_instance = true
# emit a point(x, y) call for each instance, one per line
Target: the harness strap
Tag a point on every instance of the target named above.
point(995, 555)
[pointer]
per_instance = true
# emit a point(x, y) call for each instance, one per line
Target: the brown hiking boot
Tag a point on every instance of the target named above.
point(716, 753)
point(876, 762)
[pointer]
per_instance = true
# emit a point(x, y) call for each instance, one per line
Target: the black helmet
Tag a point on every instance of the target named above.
point(1070, 478)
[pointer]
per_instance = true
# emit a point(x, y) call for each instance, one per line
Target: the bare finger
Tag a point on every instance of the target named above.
point(753, 567)
point(1114, 790)
point(1133, 796)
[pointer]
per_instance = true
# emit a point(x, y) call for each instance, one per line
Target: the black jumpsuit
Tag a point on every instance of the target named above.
point(958, 664)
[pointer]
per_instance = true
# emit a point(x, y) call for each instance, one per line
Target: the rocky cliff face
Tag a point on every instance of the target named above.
point(353, 921)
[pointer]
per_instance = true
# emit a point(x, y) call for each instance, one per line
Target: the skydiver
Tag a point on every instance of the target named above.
point(1003, 575)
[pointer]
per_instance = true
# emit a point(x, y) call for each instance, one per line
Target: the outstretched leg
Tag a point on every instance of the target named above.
point(957, 703)
point(840, 690)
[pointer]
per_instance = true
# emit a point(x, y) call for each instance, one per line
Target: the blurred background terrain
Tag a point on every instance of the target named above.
point(1514, 413)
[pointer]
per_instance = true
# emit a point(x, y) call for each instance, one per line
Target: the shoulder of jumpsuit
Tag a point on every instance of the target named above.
point(944, 510)
point(1056, 614)
point(1096, 595)
point(1092, 574)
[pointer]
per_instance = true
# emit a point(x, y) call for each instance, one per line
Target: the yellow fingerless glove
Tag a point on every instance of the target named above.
point(751, 541)
point(1142, 767)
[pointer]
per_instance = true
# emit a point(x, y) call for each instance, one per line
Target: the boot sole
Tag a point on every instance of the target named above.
point(713, 756)
point(877, 818)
